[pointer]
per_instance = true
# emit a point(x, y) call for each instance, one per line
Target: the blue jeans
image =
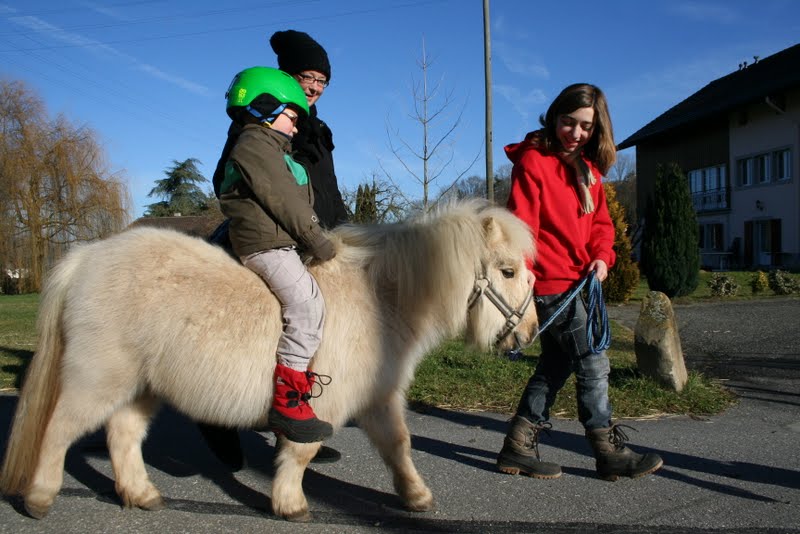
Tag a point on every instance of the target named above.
point(565, 351)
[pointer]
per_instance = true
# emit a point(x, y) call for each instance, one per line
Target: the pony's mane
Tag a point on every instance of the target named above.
point(428, 253)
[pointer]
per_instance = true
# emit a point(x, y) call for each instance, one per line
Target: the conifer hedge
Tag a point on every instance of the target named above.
point(670, 253)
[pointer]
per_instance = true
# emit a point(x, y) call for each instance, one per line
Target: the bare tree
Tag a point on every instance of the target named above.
point(502, 184)
point(622, 177)
point(623, 169)
point(436, 152)
point(56, 189)
point(475, 187)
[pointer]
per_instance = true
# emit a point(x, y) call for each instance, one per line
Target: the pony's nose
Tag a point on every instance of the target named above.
point(526, 339)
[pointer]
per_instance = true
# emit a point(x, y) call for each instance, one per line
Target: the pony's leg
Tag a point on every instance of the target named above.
point(125, 431)
point(74, 415)
point(288, 500)
point(385, 425)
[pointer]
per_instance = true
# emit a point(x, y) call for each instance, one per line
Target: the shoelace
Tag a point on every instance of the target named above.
point(618, 437)
point(316, 379)
point(534, 436)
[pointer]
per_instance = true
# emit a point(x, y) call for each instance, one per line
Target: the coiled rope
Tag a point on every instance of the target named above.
point(598, 332)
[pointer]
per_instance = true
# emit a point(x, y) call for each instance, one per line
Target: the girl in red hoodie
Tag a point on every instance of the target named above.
point(556, 190)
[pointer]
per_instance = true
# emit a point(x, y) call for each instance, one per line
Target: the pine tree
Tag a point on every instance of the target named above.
point(623, 277)
point(366, 210)
point(179, 191)
point(670, 254)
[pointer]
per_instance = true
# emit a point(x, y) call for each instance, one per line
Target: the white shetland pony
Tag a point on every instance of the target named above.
point(152, 315)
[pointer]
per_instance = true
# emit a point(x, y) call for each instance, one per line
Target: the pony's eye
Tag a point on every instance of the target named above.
point(508, 273)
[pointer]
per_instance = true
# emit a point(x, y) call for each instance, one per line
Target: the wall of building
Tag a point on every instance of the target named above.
point(691, 148)
point(755, 130)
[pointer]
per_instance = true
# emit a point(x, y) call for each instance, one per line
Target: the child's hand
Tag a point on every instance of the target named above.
point(322, 249)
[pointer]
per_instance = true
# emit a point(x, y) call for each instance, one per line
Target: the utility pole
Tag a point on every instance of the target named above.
point(487, 63)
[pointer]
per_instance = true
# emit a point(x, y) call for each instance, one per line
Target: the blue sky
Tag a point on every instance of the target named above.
point(149, 76)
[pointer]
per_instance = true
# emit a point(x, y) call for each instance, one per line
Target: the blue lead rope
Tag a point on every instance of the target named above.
point(597, 327)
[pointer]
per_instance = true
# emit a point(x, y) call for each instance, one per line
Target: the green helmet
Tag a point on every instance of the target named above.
point(279, 90)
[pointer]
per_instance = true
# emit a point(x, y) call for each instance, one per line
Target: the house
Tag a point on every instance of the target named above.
point(738, 142)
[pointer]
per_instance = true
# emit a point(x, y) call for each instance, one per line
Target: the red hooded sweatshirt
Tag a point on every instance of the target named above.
point(544, 195)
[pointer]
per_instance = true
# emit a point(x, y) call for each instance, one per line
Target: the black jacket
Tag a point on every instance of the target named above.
point(313, 146)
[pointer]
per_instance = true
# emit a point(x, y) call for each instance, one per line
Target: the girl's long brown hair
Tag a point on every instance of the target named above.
point(600, 149)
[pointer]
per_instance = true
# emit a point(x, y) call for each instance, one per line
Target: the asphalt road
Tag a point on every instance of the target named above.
point(736, 472)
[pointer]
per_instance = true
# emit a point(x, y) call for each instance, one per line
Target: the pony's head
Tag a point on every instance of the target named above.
point(460, 265)
point(501, 311)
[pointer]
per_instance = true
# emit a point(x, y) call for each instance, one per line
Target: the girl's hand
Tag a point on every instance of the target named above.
point(600, 268)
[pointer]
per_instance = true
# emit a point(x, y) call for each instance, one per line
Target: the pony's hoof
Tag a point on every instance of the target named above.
point(302, 516)
point(153, 505)
point(420, 507)
point(423, 503)
point(36, 511)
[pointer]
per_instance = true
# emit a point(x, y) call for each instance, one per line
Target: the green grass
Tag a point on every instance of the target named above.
point(703, 292)
point(17, 336)
point(462, 379)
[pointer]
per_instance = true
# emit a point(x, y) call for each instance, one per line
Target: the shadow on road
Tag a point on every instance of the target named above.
point(750, 472)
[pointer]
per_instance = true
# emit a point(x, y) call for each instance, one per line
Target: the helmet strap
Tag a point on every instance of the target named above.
point(268, 119)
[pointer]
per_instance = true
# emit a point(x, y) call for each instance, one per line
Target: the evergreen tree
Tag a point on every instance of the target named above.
point(366, 210)
point(377, 202)
point(179, 191)
point(670, 253)
point(623, 278)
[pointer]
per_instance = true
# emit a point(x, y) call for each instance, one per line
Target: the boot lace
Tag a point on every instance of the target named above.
point(618, 437)
point(315, 379)
point(532, 436)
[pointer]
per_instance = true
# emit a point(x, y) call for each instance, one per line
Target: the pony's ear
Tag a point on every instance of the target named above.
point(492, 230)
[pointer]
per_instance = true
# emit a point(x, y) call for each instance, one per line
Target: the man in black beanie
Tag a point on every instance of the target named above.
point(312, 146)
point(304, 58)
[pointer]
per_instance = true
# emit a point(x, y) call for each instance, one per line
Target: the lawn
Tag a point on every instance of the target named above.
point(17, 336)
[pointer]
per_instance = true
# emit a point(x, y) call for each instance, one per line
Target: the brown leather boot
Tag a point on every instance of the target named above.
point(614, 459)
point(520, 453)
point(291, 415)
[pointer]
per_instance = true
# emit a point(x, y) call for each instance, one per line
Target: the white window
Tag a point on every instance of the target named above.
point(715, 235)
point(696, 181)
point(783, 164)
point(709, 188)
point(763, 168)
point(712, 179)
point(711, 237)
point(745, 168)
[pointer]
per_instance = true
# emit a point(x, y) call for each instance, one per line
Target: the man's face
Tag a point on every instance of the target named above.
point(313, 83)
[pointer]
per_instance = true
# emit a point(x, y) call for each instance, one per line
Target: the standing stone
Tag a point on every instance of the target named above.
point(657, 343)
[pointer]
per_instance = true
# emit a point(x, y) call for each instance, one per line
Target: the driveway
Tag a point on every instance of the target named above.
point(754, 345)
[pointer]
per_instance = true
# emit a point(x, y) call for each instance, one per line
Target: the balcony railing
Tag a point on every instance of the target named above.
point(717, 199)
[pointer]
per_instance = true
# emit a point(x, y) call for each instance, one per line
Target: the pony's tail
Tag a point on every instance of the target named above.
point(41, 387)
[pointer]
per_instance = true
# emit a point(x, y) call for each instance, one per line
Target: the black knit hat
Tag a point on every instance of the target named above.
point(297, 52)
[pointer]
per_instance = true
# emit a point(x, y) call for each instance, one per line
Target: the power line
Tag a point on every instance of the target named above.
point(183, 16)
point(72, 9)
point(270, 24)
point(101, 86)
